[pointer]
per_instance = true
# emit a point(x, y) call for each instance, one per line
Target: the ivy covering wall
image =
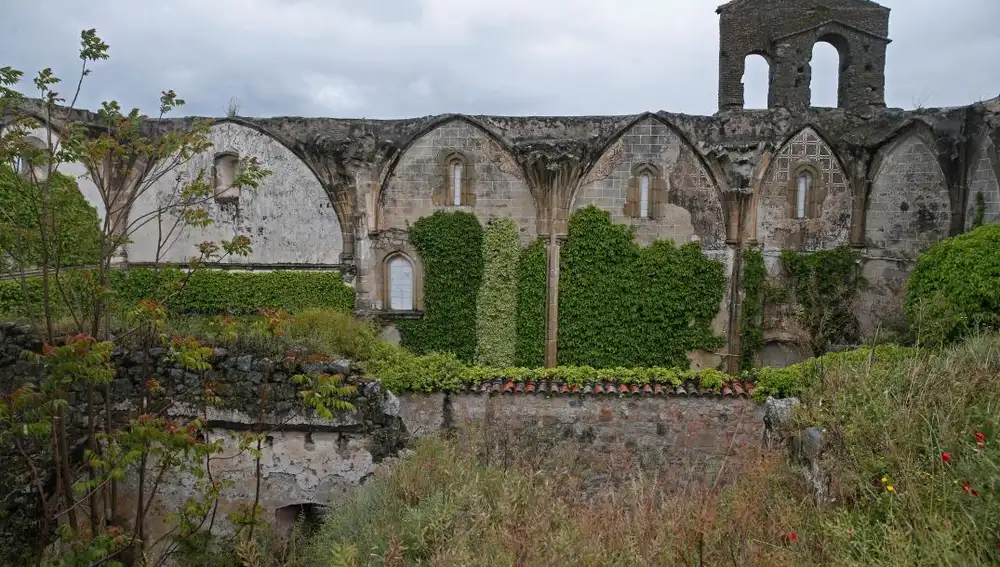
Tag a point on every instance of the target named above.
point(622, 305)
point(450, 248)
point(531, 296)
point(825, 284)
point(496, 314)
point(77, 234)
point(751, 324)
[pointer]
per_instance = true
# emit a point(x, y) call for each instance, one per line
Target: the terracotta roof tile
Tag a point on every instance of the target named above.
point(732, 388)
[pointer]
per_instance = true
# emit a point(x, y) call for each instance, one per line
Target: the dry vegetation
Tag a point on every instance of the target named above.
point(913, 453)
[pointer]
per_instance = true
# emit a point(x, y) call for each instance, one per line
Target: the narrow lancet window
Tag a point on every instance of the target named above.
point(801, 193)
point(456, 182)
point(644, 196)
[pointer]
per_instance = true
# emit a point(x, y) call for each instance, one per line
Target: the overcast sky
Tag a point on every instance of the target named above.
point(407, 58)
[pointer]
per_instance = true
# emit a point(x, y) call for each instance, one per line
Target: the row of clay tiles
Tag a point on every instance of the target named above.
point(731, 388)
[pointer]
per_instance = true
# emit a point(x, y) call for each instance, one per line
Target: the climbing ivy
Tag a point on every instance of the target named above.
point(76, 238)
point(825, 284)
point(531, 295)
point(751, 331)
point(450, 247)
point(496, 309)
point(977, 220)
point(621, 305)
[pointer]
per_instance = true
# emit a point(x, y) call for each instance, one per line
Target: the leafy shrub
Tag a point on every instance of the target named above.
point(496, 312)
point(531, 299)
point(450, 247)
point(234, 293)
point(623, 305)
point(797, 379)
point(332, 332)
point(955, 286)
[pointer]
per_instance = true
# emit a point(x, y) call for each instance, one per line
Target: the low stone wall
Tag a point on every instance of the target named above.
point(684, 435)
point(685, 432)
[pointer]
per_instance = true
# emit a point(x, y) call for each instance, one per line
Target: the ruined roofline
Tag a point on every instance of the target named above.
point(732, 4)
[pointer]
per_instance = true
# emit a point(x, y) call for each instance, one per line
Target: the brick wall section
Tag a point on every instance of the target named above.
point(289, 219)
point(983, 179)
point(909, 208)
point(693, 207)
point(777, 227)
point(682, 434)
point(500, 191)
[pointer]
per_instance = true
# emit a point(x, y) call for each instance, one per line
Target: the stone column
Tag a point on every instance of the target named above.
point(552, 300)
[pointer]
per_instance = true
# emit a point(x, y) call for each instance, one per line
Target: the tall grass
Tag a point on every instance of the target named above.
point(490, 499)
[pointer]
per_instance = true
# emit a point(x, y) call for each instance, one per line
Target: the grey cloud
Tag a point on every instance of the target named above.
point(399, 58)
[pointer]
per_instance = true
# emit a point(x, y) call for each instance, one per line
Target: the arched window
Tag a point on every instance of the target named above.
point(825, 75)
point(400, 284)
point(456, 181)
point(644, 195)
point(225, 174)
point(804, 183)
point(756, 81)
point(22, 163)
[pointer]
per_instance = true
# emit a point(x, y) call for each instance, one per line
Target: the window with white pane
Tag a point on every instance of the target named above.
point(400, 284)
point(456, 167)
point(803, 185)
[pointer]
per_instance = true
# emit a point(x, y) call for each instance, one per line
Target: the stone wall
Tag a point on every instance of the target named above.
point(692, 210)
point(889, 182)
point(685, 432)
point(684, 435)
point(420, 181)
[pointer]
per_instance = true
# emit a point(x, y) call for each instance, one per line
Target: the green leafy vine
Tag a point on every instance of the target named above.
point(826, 284)
point(450, 247)
point(622, 305)
point(531, 296)
point(496, 316)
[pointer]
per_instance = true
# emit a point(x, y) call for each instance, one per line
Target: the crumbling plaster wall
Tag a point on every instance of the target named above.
point(289, 218)
point(693, 211)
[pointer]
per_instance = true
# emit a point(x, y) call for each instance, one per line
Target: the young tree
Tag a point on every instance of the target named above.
point(126, 156)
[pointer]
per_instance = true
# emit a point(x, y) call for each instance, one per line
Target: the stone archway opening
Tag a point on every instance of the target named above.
point(308, 514)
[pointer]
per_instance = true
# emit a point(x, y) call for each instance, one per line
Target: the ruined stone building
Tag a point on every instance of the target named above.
point(887, 181)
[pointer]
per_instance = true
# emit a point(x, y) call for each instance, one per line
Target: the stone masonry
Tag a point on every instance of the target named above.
point(887, 181)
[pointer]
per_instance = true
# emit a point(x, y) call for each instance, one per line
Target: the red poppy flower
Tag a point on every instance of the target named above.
point(946, 457)
point(980, 440)
point(969, 490)
point(791, 537)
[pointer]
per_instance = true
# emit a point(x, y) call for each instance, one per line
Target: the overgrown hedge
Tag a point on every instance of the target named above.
point(206, 292)
point(236, 293)
point(450, 247)
point(77, 232)
point(622, 305)
point(531, 298)
point(400, 372)
point(496, 313)
point(955, 287)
